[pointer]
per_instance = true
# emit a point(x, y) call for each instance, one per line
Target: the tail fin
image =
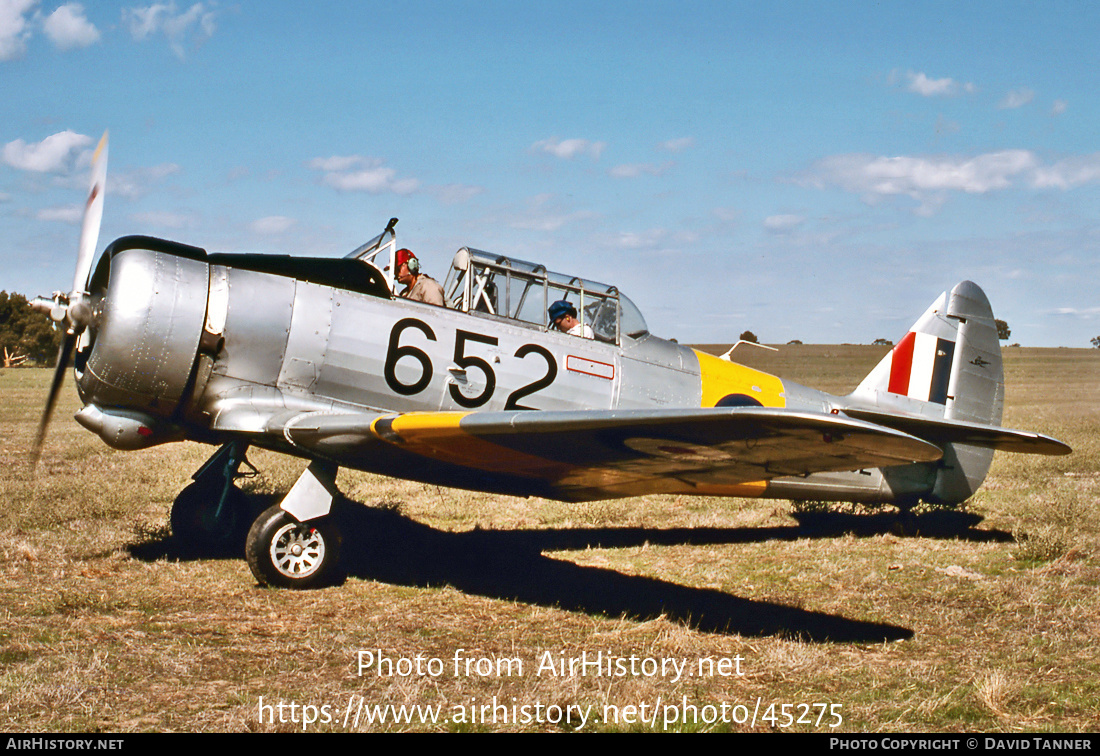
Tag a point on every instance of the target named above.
point(947, 366)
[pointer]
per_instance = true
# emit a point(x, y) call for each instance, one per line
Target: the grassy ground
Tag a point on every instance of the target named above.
point(988, 620)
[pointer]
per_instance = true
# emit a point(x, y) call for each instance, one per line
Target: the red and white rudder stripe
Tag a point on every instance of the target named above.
point(920, 367)
point(951, 357)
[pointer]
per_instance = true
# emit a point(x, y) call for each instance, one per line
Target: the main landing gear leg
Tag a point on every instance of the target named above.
point(296, 544)
point(212, 512)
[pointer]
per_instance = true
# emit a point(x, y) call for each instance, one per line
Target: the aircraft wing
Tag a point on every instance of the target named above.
point(591, 454)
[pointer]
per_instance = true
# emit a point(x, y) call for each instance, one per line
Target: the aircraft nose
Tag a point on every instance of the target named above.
point(149, 306)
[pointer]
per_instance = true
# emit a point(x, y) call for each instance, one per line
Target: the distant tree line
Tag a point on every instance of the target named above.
point(26, 335)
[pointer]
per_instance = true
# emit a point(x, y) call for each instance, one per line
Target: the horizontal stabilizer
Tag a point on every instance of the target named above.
point(941, 431)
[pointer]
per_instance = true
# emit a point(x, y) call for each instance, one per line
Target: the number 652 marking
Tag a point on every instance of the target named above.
point(396, 351)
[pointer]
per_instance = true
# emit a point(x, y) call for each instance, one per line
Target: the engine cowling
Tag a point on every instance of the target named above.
point(137, 359)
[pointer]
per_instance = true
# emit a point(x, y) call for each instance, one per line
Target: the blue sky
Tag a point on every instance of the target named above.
point(813, 171)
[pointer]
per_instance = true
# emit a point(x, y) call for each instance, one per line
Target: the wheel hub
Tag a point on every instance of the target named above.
point(297, 550)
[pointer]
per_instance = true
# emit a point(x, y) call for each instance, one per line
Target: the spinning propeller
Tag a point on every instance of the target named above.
point(74, 311)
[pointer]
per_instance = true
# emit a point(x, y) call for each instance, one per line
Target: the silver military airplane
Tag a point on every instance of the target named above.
point(317, 358)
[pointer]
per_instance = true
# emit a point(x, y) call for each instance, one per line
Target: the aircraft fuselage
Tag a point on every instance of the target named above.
point(188, 345)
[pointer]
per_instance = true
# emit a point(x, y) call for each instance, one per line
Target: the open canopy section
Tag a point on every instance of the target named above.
point(497, 286)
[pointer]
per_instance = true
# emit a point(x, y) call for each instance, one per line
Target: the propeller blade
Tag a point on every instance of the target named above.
point(77, 313)
point(63, 356)
point(93, 216)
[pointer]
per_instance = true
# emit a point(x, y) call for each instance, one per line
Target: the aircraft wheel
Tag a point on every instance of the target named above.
point(195, 519)
point(285, 553)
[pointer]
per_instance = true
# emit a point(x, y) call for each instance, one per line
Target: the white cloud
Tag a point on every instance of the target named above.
point(1017, 98)
point(921, 84)
point(1069, 173)
point(567, 149)
point(335, 163)
point(271, 225)
point(66, 214)
point(647, 239)
point(544, 212)
point(677, 145)
point(656, 240)
point(372, 180)
point(1059, 107)
point(13, 27)
point(54, 154)
point(930, 204)
point(163, 219)
point(355, 173)
point(870, 175)
point(1085, 313)
point(634, 170)
point(455, 194)
point(779, 224)
point(68, 28)
point(194, 26)
point(550, 222)
point(928, 180)
point(137, 183)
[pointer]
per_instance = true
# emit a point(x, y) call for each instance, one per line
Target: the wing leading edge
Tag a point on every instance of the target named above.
point(584, 455)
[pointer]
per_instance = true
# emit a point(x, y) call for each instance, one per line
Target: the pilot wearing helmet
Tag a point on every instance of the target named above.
point(419, 287)
point(564, 317)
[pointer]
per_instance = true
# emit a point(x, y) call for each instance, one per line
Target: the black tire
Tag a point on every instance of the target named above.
point(285, 553)
point(195, 521)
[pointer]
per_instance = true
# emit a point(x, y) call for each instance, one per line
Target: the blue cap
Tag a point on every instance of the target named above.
point(560, 308)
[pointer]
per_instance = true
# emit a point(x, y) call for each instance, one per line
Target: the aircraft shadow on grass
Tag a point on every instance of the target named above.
point(382, 544)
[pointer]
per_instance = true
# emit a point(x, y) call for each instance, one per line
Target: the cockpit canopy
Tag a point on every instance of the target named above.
point(496, 286)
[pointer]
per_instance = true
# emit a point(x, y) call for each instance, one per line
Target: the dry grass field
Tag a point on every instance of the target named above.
point(730, 614)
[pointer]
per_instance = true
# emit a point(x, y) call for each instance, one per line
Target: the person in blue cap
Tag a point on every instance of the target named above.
point(564, 317)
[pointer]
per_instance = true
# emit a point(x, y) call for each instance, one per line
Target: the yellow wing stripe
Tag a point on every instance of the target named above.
point(427, 424)
point(720, 378)
point(438, 436)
